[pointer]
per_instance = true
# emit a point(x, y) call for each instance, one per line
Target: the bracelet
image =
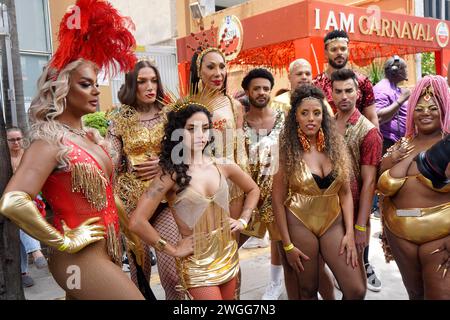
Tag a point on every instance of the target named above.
point(160, 244)
point(244, 223)
point(289, 247)
point(360, 228)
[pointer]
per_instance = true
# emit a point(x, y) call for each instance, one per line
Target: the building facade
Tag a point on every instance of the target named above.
point(384, 11)
point(155, 33)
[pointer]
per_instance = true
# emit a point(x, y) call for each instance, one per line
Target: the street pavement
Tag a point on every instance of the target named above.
point(255, 265)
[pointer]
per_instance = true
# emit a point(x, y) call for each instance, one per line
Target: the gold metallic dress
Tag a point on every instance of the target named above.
point(263, 159)
point(418, 225)
point(215, 259)
point(316, 208)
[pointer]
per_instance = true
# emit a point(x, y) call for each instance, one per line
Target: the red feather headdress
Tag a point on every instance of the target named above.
point(94, 30)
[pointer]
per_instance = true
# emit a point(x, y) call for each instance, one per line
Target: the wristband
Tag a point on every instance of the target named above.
point(244, 223)
point(160, 244)
point(360, 228)
point(289, 247)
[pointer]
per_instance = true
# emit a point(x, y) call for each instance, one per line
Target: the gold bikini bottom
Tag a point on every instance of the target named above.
point(317, 213)
point(417, 225)
point(216, 265)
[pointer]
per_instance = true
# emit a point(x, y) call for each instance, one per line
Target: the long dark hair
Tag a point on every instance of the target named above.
point(194, 79)
point(127, 92)
point(177, 120)
point(290, 146)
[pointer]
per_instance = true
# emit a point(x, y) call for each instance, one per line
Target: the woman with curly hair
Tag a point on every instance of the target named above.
point(312, 200)
point(71, 165)
point(136, 131)
point(195, 187)
point(415, 209)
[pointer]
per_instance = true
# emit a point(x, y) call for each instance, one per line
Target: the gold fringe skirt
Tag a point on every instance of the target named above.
point(114, 245)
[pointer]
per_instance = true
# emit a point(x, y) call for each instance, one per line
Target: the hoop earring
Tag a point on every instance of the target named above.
point(64, 103)
point(304, 141)
point(320, 140)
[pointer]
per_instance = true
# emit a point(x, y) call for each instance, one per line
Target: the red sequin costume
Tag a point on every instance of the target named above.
point(82, 192)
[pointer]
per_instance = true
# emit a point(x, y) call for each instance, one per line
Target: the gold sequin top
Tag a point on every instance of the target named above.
point(133, 142)
point(138, 139)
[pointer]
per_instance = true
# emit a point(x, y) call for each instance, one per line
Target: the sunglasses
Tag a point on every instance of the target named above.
point(14, 139)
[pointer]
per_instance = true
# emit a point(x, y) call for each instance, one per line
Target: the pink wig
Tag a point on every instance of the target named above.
point(442, 98)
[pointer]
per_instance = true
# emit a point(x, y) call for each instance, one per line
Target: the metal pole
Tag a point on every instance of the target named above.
point(419, 12)
point(7, 47)
point(442, 9)
point(11, 90)
point(2, 33)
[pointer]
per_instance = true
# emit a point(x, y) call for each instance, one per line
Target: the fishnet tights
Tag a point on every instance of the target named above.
point(166, 226)
point(146, 265)
point(222, 292)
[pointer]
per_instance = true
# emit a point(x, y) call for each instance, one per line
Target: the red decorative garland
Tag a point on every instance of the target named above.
point(276, 56)
point(363, 53)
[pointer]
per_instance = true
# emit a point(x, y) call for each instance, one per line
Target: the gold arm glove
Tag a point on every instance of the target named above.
point(19, 208)
point(133, 241)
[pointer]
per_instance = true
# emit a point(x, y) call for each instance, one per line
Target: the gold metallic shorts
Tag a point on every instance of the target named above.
point(417, 225)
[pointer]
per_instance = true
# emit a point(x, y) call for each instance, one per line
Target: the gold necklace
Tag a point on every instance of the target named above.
point(78, 132)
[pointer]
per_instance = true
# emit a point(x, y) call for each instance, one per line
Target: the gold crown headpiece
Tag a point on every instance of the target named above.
point(310, 98)
point(148, 59)
point(427, 93)
point(336, 39)
point(210, 100)
point(206, 45)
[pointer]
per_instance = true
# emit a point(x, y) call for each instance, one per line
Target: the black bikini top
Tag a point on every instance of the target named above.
point(325, 182)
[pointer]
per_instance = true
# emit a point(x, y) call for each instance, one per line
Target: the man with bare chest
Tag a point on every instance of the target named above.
point(262, 125)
